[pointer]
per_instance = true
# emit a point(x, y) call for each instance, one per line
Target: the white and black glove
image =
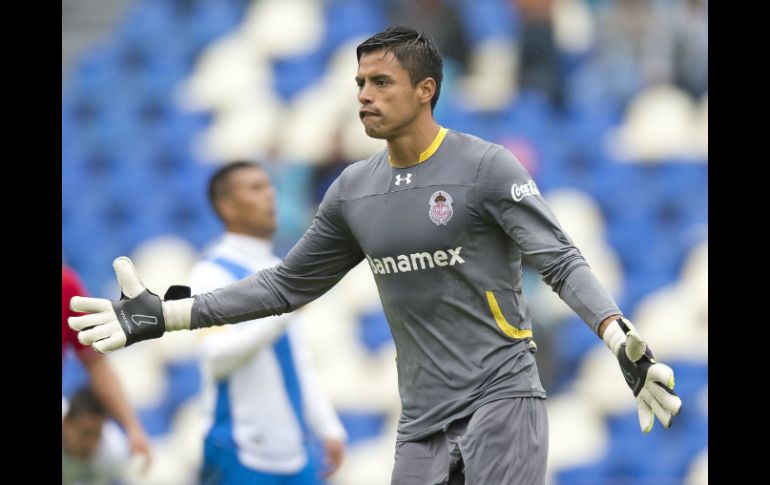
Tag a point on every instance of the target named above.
point(138, 315)
point(651, 381)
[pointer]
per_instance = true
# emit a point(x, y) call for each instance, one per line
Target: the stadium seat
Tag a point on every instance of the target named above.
point(347, 19)
point(184, 381)
point(590, 474)
point(74, 375)
point(292, 75)
point(214, 18)
point(361, 425)
point(374, 330)
point(570, 343)
point(490, 18)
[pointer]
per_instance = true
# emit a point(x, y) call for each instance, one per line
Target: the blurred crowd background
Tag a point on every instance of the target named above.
point(605, 102)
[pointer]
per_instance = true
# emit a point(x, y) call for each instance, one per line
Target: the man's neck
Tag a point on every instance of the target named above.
point(248, 244)
point(405, 149)
point(251, 238)
point(244, 234)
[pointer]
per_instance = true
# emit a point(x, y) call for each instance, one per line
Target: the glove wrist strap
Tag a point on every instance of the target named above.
point(614, 337)
point(178, 314)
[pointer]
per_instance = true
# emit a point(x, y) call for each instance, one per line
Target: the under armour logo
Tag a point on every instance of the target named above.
point(407, 179)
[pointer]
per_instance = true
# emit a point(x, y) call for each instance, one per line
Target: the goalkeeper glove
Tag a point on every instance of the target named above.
point(651, 381)
point(138, 315)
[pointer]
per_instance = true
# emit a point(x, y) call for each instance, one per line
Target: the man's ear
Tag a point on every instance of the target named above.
point(224, 208)
point(426, 89)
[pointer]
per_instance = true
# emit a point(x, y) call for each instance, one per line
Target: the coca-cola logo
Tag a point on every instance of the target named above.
point(518, 192)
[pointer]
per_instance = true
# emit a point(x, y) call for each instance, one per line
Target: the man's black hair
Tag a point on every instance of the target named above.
point(417, 52)
point(84, 401)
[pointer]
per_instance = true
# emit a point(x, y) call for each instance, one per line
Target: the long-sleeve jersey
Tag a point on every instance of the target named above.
point(249, 407)
point(444, 240)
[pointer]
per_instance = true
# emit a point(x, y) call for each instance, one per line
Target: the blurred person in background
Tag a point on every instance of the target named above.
point(540, 65)
point(689, 46)
point(93, 452)
point(651, 43)
point(103, 379)
point(441, 20)
point(625, 58)
point(261, 393)
point(443, 219)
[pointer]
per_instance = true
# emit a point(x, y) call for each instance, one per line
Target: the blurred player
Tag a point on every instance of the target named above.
point(93, 449)
point(443, 219)
point(261, 391)
point(103, 379)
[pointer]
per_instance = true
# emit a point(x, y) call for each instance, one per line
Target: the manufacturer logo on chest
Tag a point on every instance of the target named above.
point(407, 180)
point(440, 208)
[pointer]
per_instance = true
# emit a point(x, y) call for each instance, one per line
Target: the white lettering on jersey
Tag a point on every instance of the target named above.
point(415, 261)
point(518, 192)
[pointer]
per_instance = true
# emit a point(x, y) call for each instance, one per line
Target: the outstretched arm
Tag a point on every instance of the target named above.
point(324, 254)
point(508, 195)
point(317, 262)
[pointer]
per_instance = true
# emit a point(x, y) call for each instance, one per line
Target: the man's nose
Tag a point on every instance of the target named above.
point(365, 95)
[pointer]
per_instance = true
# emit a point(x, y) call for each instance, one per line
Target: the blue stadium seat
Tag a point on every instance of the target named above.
point(590, 102)
point(571, 341)
point(292, 75)
point(485, 19)
point(95, 269)
point(666, 464)
point(616, 177)
point(690, 378)
point(450, 114)
point(639, 285)
point(157, 419)
point(361, 425)
point(95, 70)
point(81, 108)
point(628, 224)
point(179, 129)
point(346, 19)
point(685, 184)
point(663, 454)
point(374, 331)
point(144, 18)
point(626, 443)
point(74, 376)
point(590, 474)
point(184, 381)
point(213, 19)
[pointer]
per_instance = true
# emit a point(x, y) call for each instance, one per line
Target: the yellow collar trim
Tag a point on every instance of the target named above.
point(431, 149)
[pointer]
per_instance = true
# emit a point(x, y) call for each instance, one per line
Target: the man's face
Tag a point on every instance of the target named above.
point(388, 101)
point(81, 435)
point(249, 207)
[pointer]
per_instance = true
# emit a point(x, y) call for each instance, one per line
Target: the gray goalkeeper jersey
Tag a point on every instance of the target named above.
point(444, 240)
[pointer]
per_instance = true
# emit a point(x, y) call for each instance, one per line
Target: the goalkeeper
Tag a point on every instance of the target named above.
point(443, 219)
